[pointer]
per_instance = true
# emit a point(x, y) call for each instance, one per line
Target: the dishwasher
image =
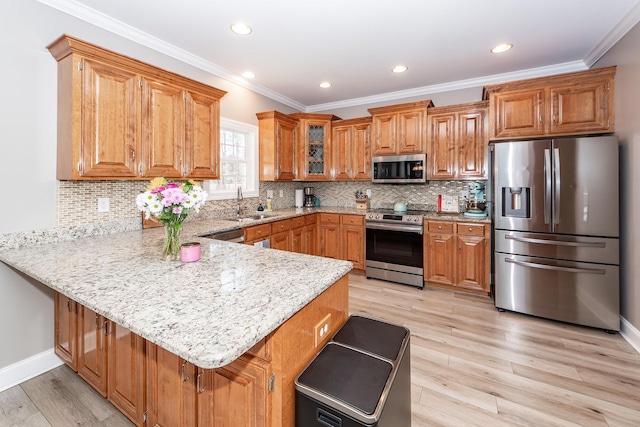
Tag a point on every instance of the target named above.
point(235, 235)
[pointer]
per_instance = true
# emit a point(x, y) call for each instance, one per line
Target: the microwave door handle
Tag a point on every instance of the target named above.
point(556, 193)
point(555, 267)
point(547, 185)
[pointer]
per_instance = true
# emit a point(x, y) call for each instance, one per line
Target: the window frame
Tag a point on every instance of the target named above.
point(251, 152)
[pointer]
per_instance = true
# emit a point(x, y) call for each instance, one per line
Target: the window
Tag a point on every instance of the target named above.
point(238, 162)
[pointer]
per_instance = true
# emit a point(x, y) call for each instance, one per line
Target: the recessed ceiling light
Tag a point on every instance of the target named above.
point(502, 48)
point(248, 75)
point(240, 28)
point(399, 69)
point(325, 85)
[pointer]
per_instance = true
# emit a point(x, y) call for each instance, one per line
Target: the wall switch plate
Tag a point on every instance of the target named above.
point(321, 330)
point(103, 204)
point(368, 192)
point(270, 194)
point(281, 193)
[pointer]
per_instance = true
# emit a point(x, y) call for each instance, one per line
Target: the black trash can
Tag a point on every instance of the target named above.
point(360, 378)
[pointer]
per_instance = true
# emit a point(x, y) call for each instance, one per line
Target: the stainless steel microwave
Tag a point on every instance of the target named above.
point(404, 169)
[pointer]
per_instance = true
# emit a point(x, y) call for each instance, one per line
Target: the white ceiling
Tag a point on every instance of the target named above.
point(296, 44)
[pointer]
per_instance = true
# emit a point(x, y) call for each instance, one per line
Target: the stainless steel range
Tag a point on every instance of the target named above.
point(395, 246)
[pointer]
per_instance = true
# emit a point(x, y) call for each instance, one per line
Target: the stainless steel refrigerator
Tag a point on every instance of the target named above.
point(556, 229)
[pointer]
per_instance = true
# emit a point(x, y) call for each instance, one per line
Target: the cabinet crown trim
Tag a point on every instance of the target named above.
point(541, 82)
point(66, 45)
point(401, 107)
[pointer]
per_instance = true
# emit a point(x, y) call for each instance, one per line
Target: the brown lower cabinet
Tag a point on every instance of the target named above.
point(458, 255)
point(342, 237)
point(106, 355)
point(155, 387)
point(296, 234)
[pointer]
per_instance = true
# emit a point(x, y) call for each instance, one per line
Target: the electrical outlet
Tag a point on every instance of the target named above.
point(321, 330)
point(281, 193)
point(368, 192)
point(270, 194)
point(103, 204)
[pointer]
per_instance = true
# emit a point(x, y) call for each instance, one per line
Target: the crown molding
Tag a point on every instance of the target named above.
point(99, 19)
point(92, 16)
point(567, 67)
point(628, 21)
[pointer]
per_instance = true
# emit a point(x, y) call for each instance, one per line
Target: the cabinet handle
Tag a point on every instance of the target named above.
point(133, 155)
point(470, 229)
point(200, 390)
point(184, 379)
point(97, 323)
point(69, 309)
point(106, 327)
point(439, 227)
point(259, 231)
point(282, 226)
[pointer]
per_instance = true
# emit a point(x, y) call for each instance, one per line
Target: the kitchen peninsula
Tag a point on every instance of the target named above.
point(223, 338)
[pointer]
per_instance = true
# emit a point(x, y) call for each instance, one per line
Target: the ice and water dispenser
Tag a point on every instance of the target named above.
point(516, 202)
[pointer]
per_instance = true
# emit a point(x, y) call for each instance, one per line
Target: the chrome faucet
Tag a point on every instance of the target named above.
point(239, 210)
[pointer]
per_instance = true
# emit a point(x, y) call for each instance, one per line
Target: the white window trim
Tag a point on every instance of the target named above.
point(252, 163)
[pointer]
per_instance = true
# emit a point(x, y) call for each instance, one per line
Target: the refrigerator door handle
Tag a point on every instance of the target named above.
point(556, 192)
point(555, 267)
point(556, 242)
point(547, 185)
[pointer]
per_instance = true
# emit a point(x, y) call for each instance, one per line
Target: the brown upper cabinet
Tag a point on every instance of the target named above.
point(313, 149)
point(399, 129)
point(278, 135)
point(567, 104)
point(120, 118)
point(351, 149)
point(458, 140)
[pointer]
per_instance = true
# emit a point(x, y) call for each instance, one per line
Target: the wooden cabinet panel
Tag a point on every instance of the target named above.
point(399, 129)
point(314, 146)
point(458, 256)
point(280, 226)
point(580, 108)
point(296, 239)
point(65, 333)
point(439, 263)
point(566, 104)
point(109, 133)
point(458, 142)
point(517, 114)
point(470, 263)
point(351, 148)
point(257, 232)
point(126, 378)
point(202, 138)
point(121, 118)
point(92, 351)
point(384, 128)
point(328, 218)
point(412, 126)
point(353, 245)
point(277, 140)
point(309, 240)
point(443, 145)
point(239, 394)
point(170, 399)
point(281, 241)
point(163, 129)
point(329, 240)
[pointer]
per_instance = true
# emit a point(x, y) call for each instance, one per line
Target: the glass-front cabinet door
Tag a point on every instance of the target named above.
point(314, 152)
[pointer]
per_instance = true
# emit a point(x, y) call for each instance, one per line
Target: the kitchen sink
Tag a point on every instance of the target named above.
point(247, 218)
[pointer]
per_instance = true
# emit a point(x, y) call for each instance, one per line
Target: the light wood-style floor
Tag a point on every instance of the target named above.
point(471, 366)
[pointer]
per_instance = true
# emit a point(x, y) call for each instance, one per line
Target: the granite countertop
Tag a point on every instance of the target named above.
point(208, 312)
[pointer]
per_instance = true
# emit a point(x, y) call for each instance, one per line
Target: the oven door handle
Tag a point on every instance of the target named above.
point(416, 229)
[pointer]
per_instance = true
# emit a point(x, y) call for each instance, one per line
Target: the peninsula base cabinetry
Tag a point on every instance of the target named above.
point(155, 387)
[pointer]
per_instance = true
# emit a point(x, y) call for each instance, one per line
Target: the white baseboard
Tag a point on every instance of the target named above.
point(28, 368)
point(630, 333)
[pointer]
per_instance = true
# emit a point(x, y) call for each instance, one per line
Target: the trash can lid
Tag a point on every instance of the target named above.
point(347, 380)
point(374, 336)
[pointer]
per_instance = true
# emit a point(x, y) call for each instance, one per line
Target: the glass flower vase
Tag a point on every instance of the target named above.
point(171, 247)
